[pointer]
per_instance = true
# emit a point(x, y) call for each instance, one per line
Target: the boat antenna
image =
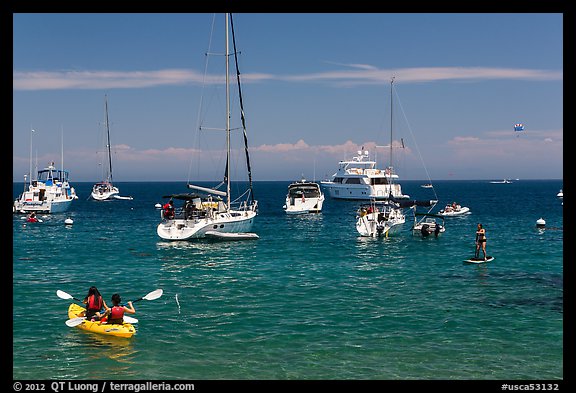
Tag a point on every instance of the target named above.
point(31, 134)
point(391, 114)
point(62, 152)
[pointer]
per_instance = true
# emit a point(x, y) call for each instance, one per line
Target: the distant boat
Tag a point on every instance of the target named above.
point(505, 181)
point(360, 179)
point(50, 192)
point(105, 189)
point(453, 209)
point(427, 185)
point(560, 194)
point(304, 197)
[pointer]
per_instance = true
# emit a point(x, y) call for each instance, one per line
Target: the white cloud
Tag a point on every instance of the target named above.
point(362, 74)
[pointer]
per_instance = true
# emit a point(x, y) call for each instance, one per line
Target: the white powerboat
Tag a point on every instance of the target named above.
point(214, 211)
point(49, 193)
point(429, 224)
point(360, 179)
point(304, 197)
point(453, 209)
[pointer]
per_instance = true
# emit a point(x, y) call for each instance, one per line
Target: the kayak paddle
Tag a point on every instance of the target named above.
point(151, 296)
point(75, 321)
point(64, 295)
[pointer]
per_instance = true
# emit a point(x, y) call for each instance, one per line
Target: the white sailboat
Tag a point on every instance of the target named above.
point(386, 217)
point(379, 218)
point(210, 212)
point(105, 189)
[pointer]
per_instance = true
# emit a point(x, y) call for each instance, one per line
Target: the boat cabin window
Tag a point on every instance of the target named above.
point(353, 180)
point(378, 180)
point(338, 180)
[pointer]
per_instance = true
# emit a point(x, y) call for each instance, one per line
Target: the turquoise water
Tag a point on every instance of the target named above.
point(308, 300)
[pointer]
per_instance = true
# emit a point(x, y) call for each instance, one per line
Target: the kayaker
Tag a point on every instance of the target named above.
point(94, 304)
point(115, 315)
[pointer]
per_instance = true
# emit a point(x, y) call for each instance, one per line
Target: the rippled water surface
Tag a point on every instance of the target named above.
point(310, 299)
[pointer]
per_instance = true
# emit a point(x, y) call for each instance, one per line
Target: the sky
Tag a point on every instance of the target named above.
point(315, 89)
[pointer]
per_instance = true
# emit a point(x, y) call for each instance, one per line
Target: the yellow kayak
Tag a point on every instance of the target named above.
point(119, 330)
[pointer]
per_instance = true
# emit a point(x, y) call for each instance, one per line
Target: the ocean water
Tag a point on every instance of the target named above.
point(309, 300)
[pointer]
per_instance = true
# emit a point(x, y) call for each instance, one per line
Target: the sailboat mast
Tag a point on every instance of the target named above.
point(227, 118)
point(391, 114)
point(31, 133)
point(108, 140)
point(62, 152)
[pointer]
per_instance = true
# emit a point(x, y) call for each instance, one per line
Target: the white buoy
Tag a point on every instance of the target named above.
point(540, 223)
point(68, 221)
point(158, 206)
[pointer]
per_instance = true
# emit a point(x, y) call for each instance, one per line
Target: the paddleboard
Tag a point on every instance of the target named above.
point(479, 260)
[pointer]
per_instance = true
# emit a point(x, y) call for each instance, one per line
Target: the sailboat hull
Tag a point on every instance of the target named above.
point(189, 229)
point(104, 195)
point(368, 226)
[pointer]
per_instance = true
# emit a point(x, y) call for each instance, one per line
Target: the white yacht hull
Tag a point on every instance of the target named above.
point(363, 192)
point(196, 228)
point(54, 206)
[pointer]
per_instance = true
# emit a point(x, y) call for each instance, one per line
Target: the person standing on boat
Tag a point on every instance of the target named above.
point(115, 315)
point(169, 209)
point(94, 304)
point(480, 241)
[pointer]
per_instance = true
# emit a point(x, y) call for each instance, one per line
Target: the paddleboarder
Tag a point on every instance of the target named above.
point(480, 241)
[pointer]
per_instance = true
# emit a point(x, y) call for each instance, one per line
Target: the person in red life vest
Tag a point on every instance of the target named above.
point(32, 217)
point(168, 210)
point(94, 304)
point(115, 314)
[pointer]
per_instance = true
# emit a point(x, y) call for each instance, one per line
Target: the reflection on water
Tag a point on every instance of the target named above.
point(115, 356)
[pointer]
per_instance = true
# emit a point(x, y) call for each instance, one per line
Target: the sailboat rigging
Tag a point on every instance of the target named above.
point(205, 213)
point(381, 218)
